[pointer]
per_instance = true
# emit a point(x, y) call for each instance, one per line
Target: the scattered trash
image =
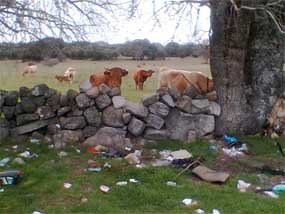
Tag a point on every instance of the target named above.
point(10, 177)
point(215, 211)
point(92, 163)
point(159, 163)
point(132, 180)
point(4, 161)
point(210, 175)
point(67, 185)
point(84, 200)
point(95, 169)
point(230, 140)
point(77, 150)
point(19, 161)
point(189, 202)
point(1, 190)
point(133, 158)
point(140, 166)
point(28, 154)
point(51, 146)
point(121, 183)
point(91, 149)
point(15, 147)
point(181, 154)
point(107, 165)
point(58, 126)
point(280, 188)
point(213, 147)
point(233, 152)
point(171, 183)
point(199, 211)
point(104, 189)
point(37, 212)
point(271, 194)
point(62, 154)
point(101, 148)
point(35, 140)
point(128, 149)
point(242, 185)
point(164, 154)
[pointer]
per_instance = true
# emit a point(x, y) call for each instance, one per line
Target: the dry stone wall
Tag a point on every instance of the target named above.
point(101, 116)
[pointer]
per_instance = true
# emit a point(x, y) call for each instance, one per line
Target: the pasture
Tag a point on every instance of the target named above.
point(11, 78)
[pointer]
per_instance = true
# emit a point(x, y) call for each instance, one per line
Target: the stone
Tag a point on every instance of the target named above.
point(104, 89)
point(50, 92)
point(24, 92)
point(58, 142)
point(38, 101)
point(62, 111)
point(154, 134)
point(72, 123)
point(119, 101)
point(150, 99)
point(212, 96)
point(133, 158)
point(33, 126)
point(159, 109)
point(181, 154)
point(26, 118)
point(71, 94)
point(162, 91)
point(85, 86)
point(19, 109)
point(113, 117)
point(9, 111)
point(3, 95)
point(11, 98)
point(136, 109)
point(39, 90)
point(71, 136)
point(103, 101)
point(89, 131)
point(184, 103)
point(92, 116)
point(200, 106)
point(210, 175)
point(53, 128)
point(174, 93)
point(192, 136)
point(179, 124)
point(75, 112)
point(27, 105)
point(214, 109)
point(19, 161)
point(109, 137)
point(54, 101)
point(126, 117)
point(45, 112)
point(4, 133)
point(136, 126)
point(154, 121)
point(114, 92)
point(83, 101)
point(63, 101)
point(4, 122)
point(93, 92)
point(168, 100)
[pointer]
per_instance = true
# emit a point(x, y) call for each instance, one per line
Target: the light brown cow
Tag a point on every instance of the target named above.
point(111, 77)
point(31, 68)
point(140, 77)
point(70, 74)
point(185, 81)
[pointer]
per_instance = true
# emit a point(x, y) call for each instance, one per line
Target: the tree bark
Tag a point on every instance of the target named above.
point(247, 54)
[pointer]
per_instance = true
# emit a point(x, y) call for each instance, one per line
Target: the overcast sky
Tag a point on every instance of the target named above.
point(144, 25)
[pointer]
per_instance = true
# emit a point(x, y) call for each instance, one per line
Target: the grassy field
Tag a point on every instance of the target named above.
point(42, 185)
point(11, 78)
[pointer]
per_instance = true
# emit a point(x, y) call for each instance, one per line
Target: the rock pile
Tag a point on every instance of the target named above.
point(101, 116)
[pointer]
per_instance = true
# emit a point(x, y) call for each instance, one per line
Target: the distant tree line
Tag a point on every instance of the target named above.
point(139, 49)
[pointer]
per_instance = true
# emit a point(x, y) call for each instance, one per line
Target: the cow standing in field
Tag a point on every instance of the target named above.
point(68, 75)
point(140, 77)
point(111, 77)
point(185, 82)
point(31, 68)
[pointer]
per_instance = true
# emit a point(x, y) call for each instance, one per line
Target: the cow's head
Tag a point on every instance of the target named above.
point(115, 76)
point(147, 73)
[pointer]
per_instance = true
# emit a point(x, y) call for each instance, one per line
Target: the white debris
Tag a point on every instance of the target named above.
point(242, 185)
point(62, 154)
point(78, 150)
point(199, 211)
point(4, 161)
point(104, 188)
point(215, 211)
point(171, 183)
point(243, 148)
point(36, 212)
point(28, 154)
point(164, 154)
point(140, 166)
point(271, 194)
point(1, 190)
point(132, 180)
point(189, 202)
point(57, 125)
point(121, 183)
point(107, 165)
point(35, 140)
point(67, 185)
point(233, 152)
point(181, 154)
point(15, 147)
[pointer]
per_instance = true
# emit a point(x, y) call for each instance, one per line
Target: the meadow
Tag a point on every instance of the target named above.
point(11, 78)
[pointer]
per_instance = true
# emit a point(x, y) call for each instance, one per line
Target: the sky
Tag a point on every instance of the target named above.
point(144, 25)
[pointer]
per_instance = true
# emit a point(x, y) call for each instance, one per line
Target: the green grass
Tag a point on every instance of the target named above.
point(42, 185)
point(11, 78)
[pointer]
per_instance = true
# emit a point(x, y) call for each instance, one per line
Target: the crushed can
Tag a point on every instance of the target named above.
point(10, 177)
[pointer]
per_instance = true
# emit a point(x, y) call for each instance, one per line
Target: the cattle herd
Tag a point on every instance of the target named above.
point(184, 82)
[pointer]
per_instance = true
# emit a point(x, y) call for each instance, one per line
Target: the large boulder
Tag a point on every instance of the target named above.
point(63, 101)
point(89, 131)
point(62, 138)
point(113, 117)
point(45, 112)
point(93, 92)
point(179, 124)
point(136, 126)
point(200, 106)
point(104, 89)
point(71, 94)
point(28, 105)
point(62, 111)
point(114, 92)
point(9, 111)
point(126, 117)
point(33, 126)
point(150, 99)
point(214, 109)
point(109, 137)
point(154, 134)
point(50, 92)
point(54, 101)
point(38, 101)
point(136, 109)
point(159, 109)
point(19, 109)
point(72, 123)
point(11, 98)
point(154, 121)
point(39, 90)
point(103, 101)
point(92, 116)
point(83, 101)
point(24, 91)
point(85, 86)
point(184, 103)
point(26, 118)
point(119, 101)
point(168, 100)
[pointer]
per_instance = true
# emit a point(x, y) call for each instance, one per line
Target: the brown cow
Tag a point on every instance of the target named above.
point(140, 77)
point(185, 81)
point(111, 77)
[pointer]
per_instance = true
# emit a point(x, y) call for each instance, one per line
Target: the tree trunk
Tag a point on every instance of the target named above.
point(247, 54)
